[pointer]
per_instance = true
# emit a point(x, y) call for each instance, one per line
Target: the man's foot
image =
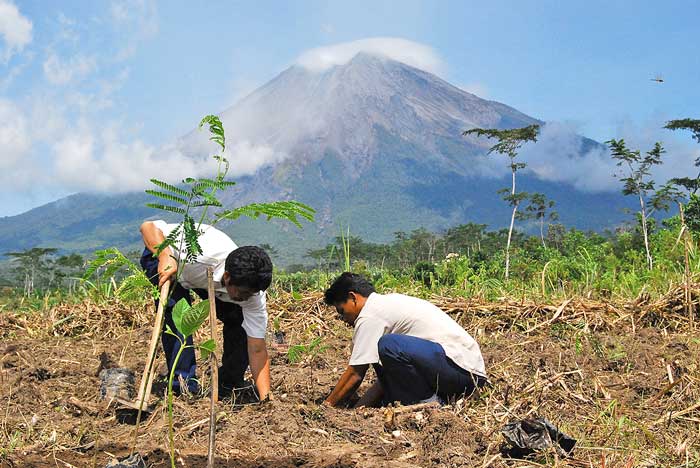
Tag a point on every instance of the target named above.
point(240, 393)
point(192, 387)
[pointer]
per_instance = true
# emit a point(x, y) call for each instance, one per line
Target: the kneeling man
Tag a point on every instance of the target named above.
point(419, 353)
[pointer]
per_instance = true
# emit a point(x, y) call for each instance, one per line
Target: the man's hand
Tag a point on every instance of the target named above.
point(167, 267)
point(346, 386)
point(152, 238)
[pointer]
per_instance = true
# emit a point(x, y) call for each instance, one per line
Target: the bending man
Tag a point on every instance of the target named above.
point(241, 276)
point(419, 353)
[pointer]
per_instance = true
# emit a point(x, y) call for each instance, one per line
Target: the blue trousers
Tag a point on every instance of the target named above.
point(234, 360)
point(413, 370)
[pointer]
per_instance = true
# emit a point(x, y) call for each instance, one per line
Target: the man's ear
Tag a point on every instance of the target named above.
point(226, 278)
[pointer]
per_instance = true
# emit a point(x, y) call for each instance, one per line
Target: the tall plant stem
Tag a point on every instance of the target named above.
point(544, 246)
point(512, 223)
point(650, 260)
point(214, 369)
point(686, 240)
point(171, 432)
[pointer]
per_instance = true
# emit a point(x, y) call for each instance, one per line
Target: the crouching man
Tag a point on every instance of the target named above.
point(241, 276)
point(419, 353)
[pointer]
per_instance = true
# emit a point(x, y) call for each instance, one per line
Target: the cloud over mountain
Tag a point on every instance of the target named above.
point(402, 50)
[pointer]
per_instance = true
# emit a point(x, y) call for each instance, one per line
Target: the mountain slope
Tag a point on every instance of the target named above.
point(373, 144)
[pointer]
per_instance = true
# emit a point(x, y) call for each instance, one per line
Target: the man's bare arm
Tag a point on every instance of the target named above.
point(347, 385)
point(259, 365)
point(167, 265)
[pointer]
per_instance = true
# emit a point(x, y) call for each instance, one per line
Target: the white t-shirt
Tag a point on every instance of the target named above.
point(215, 248)
point(406, 315)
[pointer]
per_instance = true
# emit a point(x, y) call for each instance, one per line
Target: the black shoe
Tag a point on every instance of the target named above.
point(193, 388)
point(240, 393)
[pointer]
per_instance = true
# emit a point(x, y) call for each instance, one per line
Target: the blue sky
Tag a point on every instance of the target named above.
point(87, 88)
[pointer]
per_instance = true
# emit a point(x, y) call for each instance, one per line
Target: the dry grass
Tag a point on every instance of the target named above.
point(621, 378)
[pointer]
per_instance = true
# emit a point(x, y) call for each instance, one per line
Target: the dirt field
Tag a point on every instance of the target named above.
point(621, 379)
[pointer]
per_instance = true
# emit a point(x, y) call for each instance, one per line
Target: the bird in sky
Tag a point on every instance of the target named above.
point(658, 79)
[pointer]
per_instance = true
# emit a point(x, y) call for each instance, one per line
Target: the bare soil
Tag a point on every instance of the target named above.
point(598, 371)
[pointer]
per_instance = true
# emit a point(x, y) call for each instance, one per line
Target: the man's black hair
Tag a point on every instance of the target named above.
point(344, 284)
point(250, 267)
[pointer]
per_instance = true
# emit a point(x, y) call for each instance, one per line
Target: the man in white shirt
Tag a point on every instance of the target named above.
point(241, 276)
point(418, 351)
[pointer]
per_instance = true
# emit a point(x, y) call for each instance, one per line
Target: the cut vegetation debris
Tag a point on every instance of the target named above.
point(620, 378)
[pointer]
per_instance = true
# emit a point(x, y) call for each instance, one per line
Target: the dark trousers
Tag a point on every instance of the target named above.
point(414, 370)
point(234, 360)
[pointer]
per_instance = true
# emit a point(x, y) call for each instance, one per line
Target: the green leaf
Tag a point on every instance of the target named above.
point(188, 318)
point(288, 210)
point(112, 260)
point(191, 239)
point(216, 129)
point(218, 184)
point(166, 196)
point(173, 209)
point(207, 348)
point(170, 187)
point(179, 311)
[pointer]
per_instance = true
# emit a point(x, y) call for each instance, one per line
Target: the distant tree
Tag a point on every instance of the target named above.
point(465, 238)
point(540, 209)
point(637, 180)
point(509, 142)
point(70, 267)
point(425, 243)
point(690, 185)
point(685, 124)
point(32, 265)
point(555, 235)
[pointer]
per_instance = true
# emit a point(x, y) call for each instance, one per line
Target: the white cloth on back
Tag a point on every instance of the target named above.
point(405, 315)
point(216, 246)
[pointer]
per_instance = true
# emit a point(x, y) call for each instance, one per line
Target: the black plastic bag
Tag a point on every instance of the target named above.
point(133, 461)
point(527, 436)
point(117, 382)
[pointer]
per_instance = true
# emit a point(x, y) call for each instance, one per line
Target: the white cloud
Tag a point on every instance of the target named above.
point(14, 137)
point(246, 157)
point(116, 164)
point(137, 20)
point(62, 72)
point(15, 29)
point(557, 156)
point(14, 71)
point(402, 50)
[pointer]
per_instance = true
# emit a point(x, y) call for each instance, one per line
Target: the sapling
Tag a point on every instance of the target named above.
point(187, 320)
point(296, 353)
point(200, 194)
